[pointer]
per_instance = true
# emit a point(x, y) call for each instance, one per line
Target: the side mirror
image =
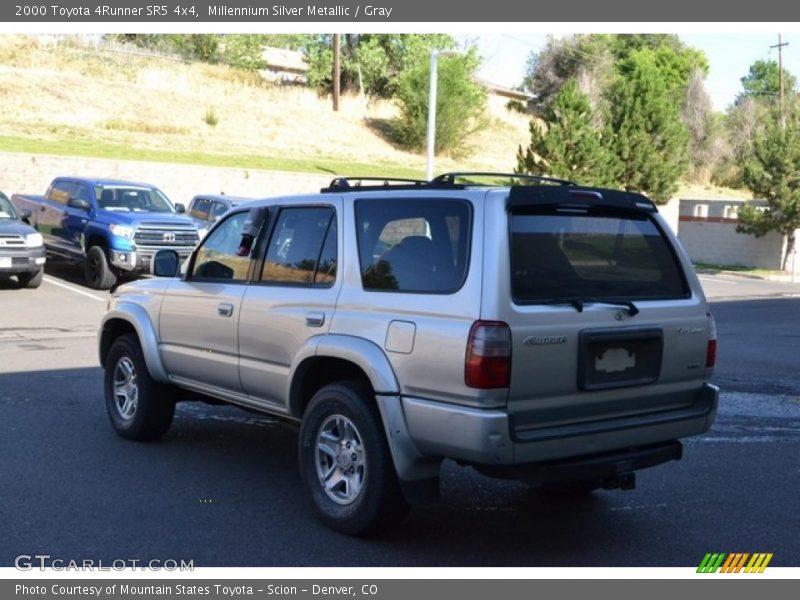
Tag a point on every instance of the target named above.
point(165, 263)
point(25, 214)
point(180, 208)
point(79, 203)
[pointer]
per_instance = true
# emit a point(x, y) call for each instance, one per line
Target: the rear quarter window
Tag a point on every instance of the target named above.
point(413, 246)
point(623, 256)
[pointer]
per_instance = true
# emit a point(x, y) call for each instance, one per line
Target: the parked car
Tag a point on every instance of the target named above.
point(110, 226)
point(22, 252)
point(547, 332)
point(206, 209)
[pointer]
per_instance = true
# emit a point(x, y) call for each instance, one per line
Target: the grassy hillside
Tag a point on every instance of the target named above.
point(79, 100)
point(71, 99)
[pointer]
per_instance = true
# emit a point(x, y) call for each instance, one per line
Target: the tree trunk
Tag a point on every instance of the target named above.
point(789, 251)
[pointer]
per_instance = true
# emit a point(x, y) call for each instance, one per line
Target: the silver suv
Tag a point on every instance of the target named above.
point(537, 330)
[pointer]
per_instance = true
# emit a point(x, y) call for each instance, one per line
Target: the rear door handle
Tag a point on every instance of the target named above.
point(225, 309)
point(315, 319)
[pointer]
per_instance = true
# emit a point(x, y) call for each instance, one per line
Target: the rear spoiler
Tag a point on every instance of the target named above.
point(577, 197)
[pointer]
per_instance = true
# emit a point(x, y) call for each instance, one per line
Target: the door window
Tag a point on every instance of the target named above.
point(302, 249)
point(224, 253)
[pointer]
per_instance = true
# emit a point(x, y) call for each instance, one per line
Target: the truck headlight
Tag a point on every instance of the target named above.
point(34, 240)
point(123, 231)
point(201, 232)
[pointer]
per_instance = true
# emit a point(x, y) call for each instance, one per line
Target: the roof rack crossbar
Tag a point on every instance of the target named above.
point(339, 184)
point(450, 178)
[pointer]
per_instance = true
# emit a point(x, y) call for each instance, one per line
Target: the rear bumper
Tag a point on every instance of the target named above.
point(485, 437)
point(22, 261)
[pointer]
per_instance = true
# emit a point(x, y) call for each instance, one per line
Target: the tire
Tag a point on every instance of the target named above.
point(139, 407)
point(99, 275)
point(342, 442)
point(31, 280)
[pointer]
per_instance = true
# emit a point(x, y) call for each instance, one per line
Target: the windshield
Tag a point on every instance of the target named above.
point(584, 256)
point(132, 199)
point(6, 208)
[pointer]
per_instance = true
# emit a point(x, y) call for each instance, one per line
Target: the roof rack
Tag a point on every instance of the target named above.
point(449, 179)
point(446, 180)
point(340, 184)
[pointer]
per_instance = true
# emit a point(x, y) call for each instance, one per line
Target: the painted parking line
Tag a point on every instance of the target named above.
point(52, 281)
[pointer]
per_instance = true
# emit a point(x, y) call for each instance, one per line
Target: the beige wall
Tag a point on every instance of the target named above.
point(32, 173)
point(713, 238)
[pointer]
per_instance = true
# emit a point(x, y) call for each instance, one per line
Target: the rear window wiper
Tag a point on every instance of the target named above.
point(579, 303)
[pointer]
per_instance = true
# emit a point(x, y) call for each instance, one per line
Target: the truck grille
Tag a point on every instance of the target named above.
point(163, 235)
point(12, 241)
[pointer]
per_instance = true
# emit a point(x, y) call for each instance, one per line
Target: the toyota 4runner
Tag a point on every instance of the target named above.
point(536, 330)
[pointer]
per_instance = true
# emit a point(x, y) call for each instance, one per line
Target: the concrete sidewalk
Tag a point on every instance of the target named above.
point(727, 285)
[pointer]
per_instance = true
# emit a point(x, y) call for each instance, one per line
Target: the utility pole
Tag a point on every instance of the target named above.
point(780, 46)
point(336, 71)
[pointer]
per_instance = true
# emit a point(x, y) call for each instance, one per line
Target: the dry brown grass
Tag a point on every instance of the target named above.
point(153, 102)
point(52, 91)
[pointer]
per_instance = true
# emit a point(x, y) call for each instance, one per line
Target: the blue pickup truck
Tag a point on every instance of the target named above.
point(110, 226)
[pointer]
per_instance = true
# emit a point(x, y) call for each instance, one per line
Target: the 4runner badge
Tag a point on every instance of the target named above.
point(544, 340)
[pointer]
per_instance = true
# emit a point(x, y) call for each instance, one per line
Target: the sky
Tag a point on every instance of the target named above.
point(729, 55)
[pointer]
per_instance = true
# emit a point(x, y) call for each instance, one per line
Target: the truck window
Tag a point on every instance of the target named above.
point(61, 191)
point(200, 208)
point(81, 192)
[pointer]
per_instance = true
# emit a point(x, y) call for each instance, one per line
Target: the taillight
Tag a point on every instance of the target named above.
point(711, 351)
point(488, 362)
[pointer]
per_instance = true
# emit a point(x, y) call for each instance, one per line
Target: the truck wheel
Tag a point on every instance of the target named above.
point(98, 272)
point(139, 407)
point(345, 462)
point(31, 280)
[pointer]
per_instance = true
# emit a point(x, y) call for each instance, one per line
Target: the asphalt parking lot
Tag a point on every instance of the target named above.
point(222, 487)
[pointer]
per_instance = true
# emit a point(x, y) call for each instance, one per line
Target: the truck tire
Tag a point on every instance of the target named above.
point(31, 280)
point(139, 407)
point(99, 275)
point(345, 462)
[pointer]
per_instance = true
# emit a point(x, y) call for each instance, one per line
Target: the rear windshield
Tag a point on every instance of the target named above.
point(622, 256)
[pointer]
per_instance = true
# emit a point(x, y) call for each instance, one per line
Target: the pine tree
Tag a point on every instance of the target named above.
point(651, 141)
point(567, 145)
point(773, 174)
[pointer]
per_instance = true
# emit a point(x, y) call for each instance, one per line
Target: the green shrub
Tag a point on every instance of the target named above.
point(460, 104)
point(211, 117)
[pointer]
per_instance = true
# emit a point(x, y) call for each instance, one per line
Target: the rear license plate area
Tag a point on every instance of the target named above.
point(614, 358)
